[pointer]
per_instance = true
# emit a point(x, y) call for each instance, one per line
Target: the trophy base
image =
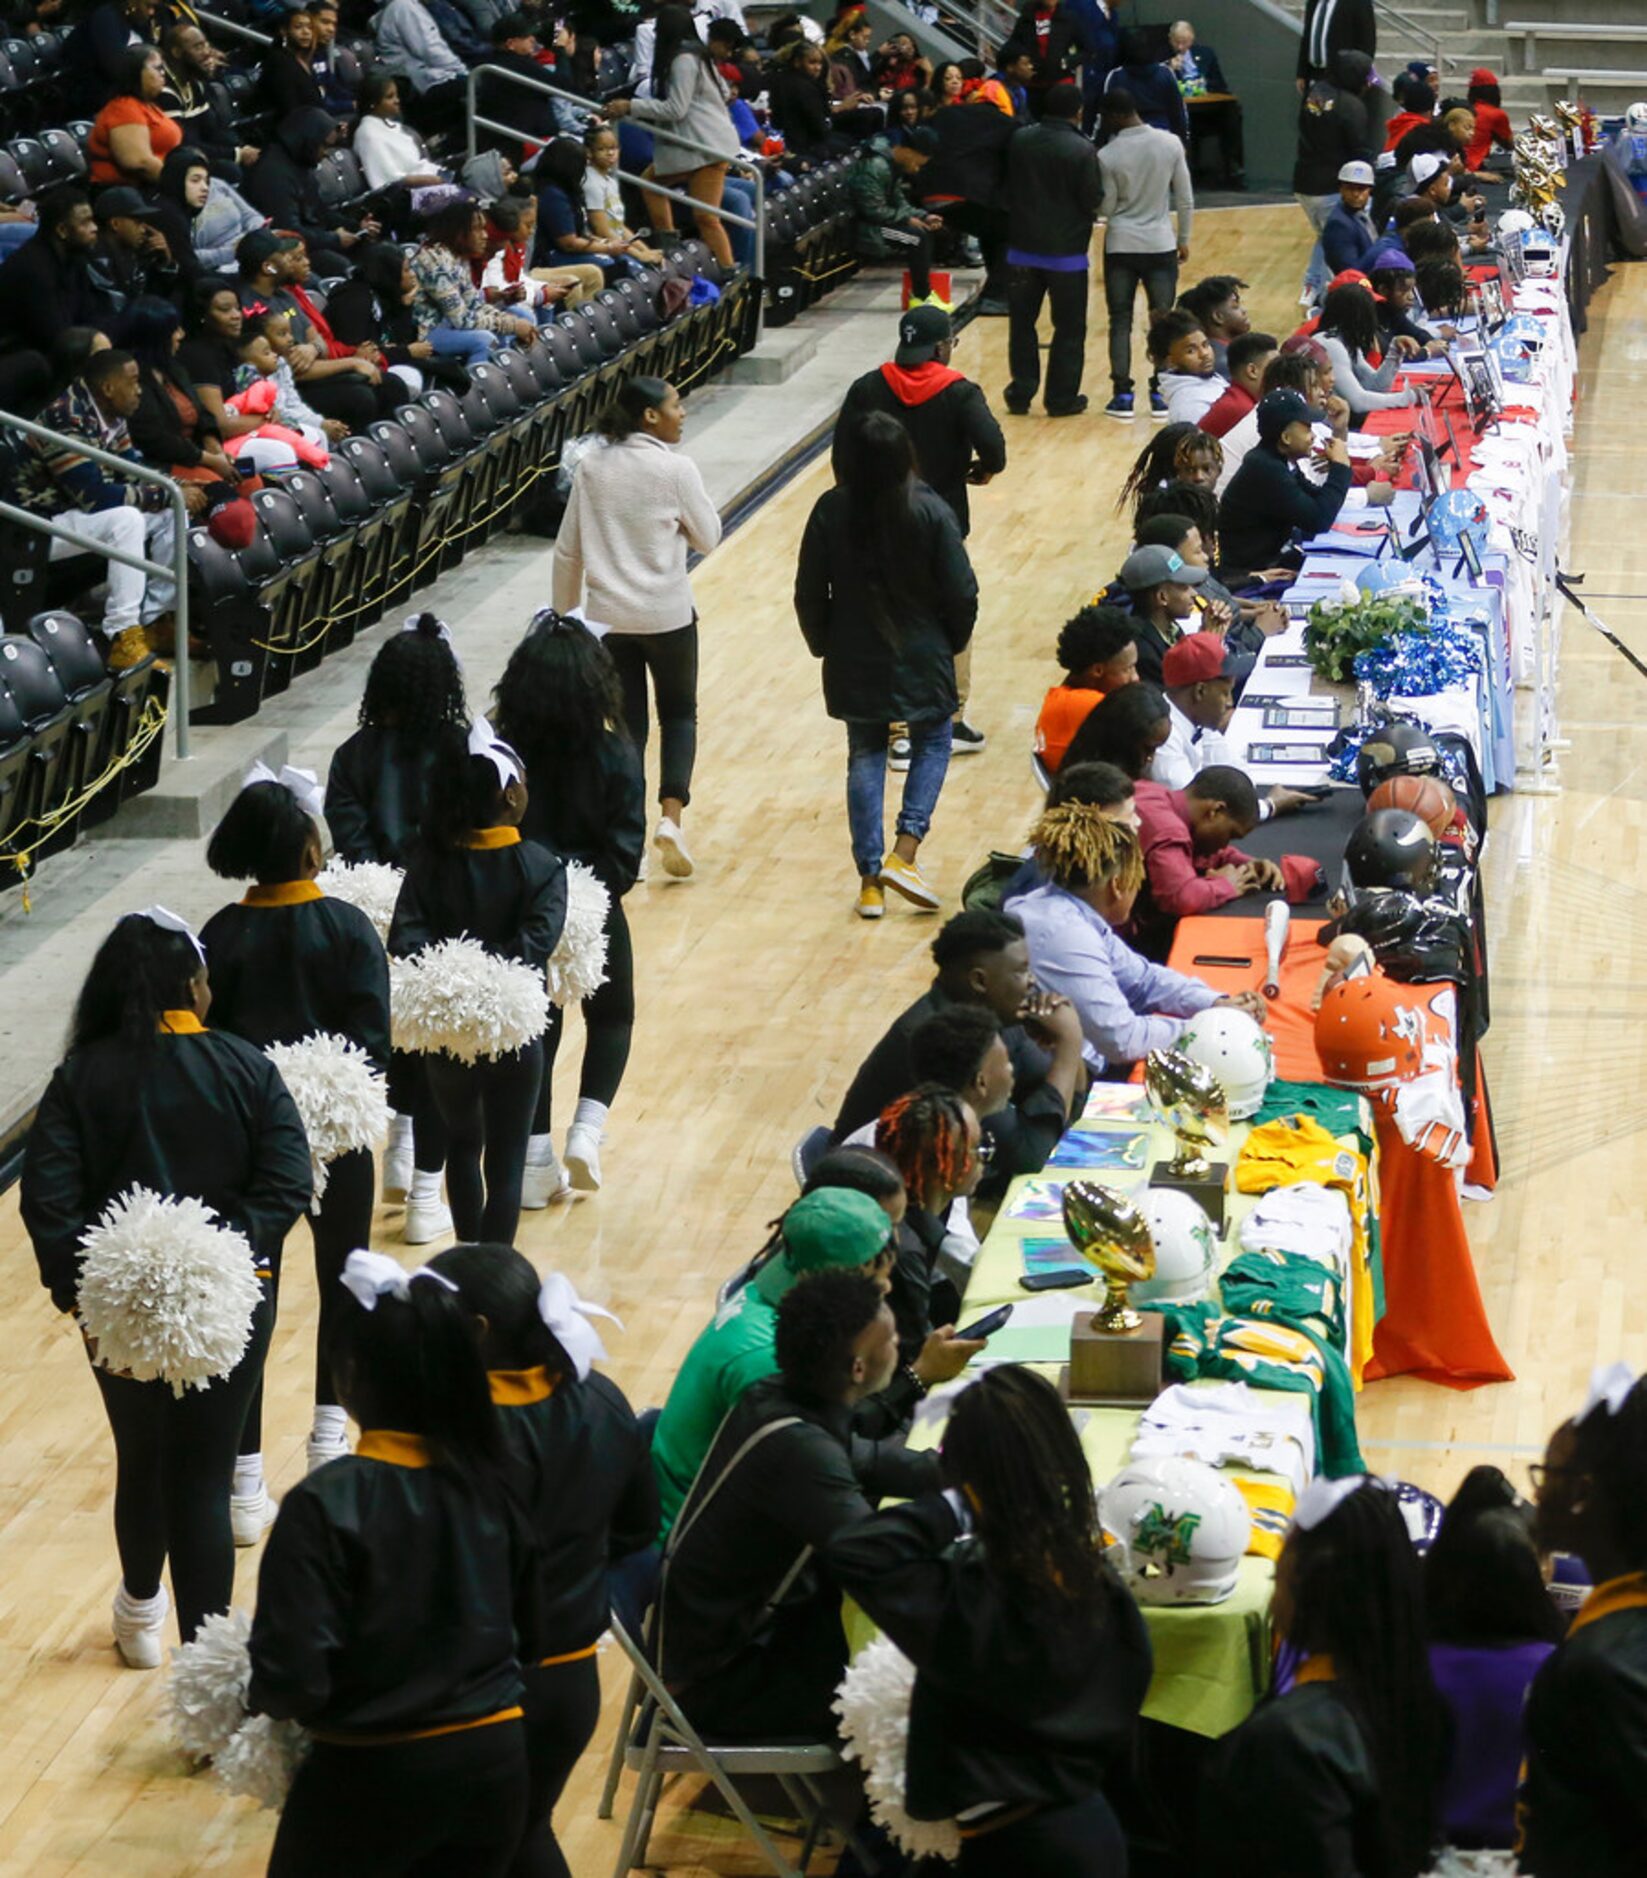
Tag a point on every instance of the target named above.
point(1111, 1369)
point(1206, 1189)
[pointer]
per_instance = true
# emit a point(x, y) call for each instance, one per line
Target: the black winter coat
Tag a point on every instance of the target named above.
point(951, 431)
point(1064, 48)
point(284, 182)
point(1054, 187)
point(972, 151)
point(1332, 130)
point(904, 671)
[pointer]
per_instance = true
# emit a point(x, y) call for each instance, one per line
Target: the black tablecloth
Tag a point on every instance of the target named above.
point(1319, 832)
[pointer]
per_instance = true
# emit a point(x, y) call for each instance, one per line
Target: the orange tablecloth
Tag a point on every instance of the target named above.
point(1434, 1323)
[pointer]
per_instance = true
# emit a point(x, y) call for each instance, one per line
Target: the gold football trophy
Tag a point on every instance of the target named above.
point(1115, 1352)
point(1191, 1101)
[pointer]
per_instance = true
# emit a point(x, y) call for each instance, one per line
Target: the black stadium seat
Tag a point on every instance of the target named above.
point(29, 681)
point(76, 666)
point(78, 662)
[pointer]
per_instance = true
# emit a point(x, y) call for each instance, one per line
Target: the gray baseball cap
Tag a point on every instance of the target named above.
point(1149, 567)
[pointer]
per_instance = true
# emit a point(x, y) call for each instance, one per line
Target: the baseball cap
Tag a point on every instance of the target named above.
point(1353, 277)
point(923, 139)
point(1426, 166)
point(921, 330)
point(1198, 657)
point(1149, 567)
point(1278, 409)
point(1389, 257)
point(1481, 76)
point(1357, 173)
point(255, 248)
point(834, 1229)
point(124, 201)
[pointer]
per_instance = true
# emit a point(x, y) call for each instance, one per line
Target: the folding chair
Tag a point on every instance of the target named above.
point(807, 1152)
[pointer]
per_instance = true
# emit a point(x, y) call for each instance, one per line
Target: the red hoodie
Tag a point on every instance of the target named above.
point(919, 384)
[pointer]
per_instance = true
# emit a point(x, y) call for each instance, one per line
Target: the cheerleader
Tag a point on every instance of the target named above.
point(374, 810)
point(391, 1592)
point(559, 703)
point(288, 963)
point(472, 875)
point(148, 1097)
point(581, 1471)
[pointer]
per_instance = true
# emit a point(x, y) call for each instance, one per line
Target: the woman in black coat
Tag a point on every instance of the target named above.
point(800, 105)
point(171, 427)
point(886, 597)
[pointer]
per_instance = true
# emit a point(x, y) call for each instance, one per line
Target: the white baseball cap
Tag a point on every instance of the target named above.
point(1426, 166)
point(1357, 173)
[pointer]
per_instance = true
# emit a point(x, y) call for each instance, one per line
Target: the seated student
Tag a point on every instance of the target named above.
point(1124, 731)
point(1094, 870)
point(1201, 673)
point(1347, 333)
point(1181, 355)
point(1268, 502)
point(1248, 357)
point(749, 1633)
point(1099, 655)
point(565, 234)
point(1216, 303)
point(1190, 864)
point(1395, 282)
point(1162, 587)
point(390, 151)
point(1339, 1773)
point(1185, 519)
point(1349, 233)
point(603, 193)
point(1101, 786)
point(1441, 290)
point(1583, 1805)
point(1302, 366)
point(1031, 1659)
point(1491, 1624)
point(823, 1230)
point(1176, 453)
point(503, 273)
point(934, 1137)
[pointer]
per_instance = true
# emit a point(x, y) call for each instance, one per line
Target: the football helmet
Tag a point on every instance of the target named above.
point(1185, 1249)
point(1178, 1530)
point(1234, 1047)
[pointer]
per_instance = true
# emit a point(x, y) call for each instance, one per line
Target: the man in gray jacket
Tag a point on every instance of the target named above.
point(1146, 180)
point(410, 41)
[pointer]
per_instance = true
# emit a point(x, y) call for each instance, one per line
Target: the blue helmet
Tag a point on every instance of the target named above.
point(1388, 576)
point(1458, 512)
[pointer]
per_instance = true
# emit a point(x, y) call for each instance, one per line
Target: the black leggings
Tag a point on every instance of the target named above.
point(672, 658)
point(562, 1706)
point(434, 1808)
point(409, 1095)
point(487, 1108)
point(608, 1024)
point(1079, 1841)
point(343, 1225)
point(174, 1466)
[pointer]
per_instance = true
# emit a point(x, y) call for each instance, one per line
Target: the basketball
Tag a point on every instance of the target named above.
point(1427, 797)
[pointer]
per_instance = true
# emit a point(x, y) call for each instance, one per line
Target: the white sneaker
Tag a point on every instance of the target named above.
point(583, 1157)
point(544, 1183)
point(397, 1172)
point(137, 1627)
point(672, 850)
point(324, 1448)
point(426, 1221)
point(252, 1514)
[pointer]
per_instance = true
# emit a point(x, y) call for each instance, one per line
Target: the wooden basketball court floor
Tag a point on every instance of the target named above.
point(758, 993)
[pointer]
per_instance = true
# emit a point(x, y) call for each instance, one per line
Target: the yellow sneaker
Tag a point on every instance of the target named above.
point(932, 299)
point(127, 649)
point(904, 877)
point(871, 900)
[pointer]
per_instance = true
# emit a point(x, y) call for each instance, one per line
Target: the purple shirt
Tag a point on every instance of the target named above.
point(1485, 1690)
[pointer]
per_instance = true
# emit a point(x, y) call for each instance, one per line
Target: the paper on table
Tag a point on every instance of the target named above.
point(1025, 1343)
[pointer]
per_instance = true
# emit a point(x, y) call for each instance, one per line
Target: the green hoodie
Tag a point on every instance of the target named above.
point(832, 1229)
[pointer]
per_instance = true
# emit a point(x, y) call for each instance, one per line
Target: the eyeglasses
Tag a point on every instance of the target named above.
point(1538, 1472)
point(984, 1153)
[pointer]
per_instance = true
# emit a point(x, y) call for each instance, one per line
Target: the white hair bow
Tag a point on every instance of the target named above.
point(1608, 1389)
point(484, 741)
point(372, 1275)
point(567, 1316)
point(303, 783)
point(1322, 1498)
point(174, 922)
point(413, 622)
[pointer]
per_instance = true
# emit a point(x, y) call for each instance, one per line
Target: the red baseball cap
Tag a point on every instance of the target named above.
point(1353, 277)
point(1198, 657)
point(1481, 76)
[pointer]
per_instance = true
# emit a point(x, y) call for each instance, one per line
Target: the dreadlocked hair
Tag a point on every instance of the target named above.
point(924, 1134)
point(1155, 463)
point(1078, 846)
point(1011, 1449)
point(1356, 1595)
point(414, 687)
point(1612, 1450)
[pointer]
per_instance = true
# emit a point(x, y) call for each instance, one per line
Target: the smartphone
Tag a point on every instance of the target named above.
point(1219, 958)
point(987, 1326)
point(1058, 1281)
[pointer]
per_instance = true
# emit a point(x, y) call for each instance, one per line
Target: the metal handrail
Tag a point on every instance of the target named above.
point(1426, 36)
point(989, 39)
point(179, 570)
point(741, 163)
point(233, 27)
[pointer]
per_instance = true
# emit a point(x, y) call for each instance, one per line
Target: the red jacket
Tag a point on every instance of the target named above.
point(1176, 876)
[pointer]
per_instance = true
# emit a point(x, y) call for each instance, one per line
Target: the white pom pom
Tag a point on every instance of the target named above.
point(873, 1704)
point(457, 998)
point(208, 1684)
point(261, 1759)
point(373, 886)
point(342, 1100)
point(577, 966)
point(165, 1291)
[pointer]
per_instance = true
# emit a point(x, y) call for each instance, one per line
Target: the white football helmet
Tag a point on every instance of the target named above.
point(1635, 119)
point(1236, 1050)
point(1515, 222)
point(1178, 1530)
point(1185, 1248)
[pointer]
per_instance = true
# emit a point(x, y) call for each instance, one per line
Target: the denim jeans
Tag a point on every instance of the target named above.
point(738, 195)
point(1316, 210)
point(929, 743)
point(470, 345)
point(1124, 274)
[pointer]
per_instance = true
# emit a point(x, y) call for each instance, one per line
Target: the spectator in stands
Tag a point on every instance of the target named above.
point(1099, 654)
point(1146, 185)
point(900, 66)
point(889, 227)
point(1268, 501)
point(1049, 32)
point(131, 257)
point(637, 505)
point(1492, 144)
point(1124, 731)
point(374, 307)
point(193, 97)
point(854, 98)
point(504, 275)
point(450, 309)
point(603, 197)
point(284, 183)
point(1333, 130)
point(565, 234)
point(1053, 193)
point(1348, 332)
point(886, 598)
point(800, 105)
point(131, 135)
point(530, 113)
point(1349, 234)
point(106, 511)
point(410, 42)
point(211, 355)
point(201, 215)
point(1249, 356)
point(1150, 84)
point(1346, 1763)
point(265, 346)
point(337, 77)
point(689, 97)
point(286, 80)
point(1183, 368)
point(389, 150)
point(1216, 303)
point(1491, 1624)
point(171, 428)
point(97, 51)
point(45, 286)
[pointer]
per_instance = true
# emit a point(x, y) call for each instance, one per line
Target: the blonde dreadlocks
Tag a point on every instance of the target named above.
point(1078, 846)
